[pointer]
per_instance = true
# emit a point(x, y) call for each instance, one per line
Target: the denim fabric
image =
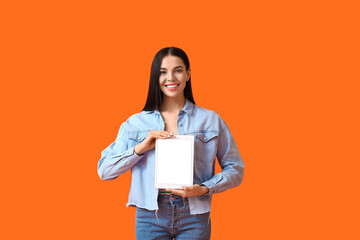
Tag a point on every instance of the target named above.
point(213, 139)
point(172, 220)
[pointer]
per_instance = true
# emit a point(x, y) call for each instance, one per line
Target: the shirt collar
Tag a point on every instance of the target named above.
point(188, 108)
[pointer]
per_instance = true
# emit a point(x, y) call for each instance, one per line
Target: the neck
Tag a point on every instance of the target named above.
point(172, 105)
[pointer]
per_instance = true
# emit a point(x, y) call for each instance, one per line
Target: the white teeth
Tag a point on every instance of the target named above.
point(171, 86)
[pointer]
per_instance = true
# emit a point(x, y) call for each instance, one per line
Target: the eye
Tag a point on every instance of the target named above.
point(179, 70)
point(162, 72)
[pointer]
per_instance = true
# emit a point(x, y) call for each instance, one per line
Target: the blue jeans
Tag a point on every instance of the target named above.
point(172, 220)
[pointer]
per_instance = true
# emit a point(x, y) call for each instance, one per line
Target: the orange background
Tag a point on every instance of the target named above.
point(284, 75)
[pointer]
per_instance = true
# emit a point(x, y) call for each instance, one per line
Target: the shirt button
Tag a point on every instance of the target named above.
point(180, 125)
point(205, 138)
point(139, 138)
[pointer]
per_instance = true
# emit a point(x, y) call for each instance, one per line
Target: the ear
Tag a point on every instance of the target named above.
point(189, 73)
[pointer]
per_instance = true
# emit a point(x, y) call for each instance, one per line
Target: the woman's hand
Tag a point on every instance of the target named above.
point(149, 141)
point(189, 191)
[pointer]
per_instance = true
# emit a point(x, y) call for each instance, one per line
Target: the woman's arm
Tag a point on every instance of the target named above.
point(230, 161)
point(118, 158)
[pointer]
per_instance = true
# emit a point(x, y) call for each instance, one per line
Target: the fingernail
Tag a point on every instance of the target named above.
point(169, 136)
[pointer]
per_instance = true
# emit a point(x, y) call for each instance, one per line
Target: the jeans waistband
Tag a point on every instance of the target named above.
point(173, 199)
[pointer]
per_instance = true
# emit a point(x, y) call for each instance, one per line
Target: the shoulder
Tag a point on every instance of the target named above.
point(141, 120)
point(137, 117)
point(211, 117)
point(211, 114)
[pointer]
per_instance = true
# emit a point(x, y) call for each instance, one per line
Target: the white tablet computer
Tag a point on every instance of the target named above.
point(174, 161)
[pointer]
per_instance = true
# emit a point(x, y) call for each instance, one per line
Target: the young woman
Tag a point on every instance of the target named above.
point(170, 109)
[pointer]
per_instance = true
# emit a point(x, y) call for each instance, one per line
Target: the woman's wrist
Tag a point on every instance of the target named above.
point(139, 150)
point(205, 189)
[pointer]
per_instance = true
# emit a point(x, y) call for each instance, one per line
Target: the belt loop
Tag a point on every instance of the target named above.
point(156, 212)
point(185, 201)
point(171, 199)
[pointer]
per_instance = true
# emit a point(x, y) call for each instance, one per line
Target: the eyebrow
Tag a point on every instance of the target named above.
point(174, 67)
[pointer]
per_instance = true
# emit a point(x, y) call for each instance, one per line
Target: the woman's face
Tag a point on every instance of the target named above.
point(173, 76)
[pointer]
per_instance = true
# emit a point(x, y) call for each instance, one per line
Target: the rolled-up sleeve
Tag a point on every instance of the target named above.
point(117, 158)
point(230, 161)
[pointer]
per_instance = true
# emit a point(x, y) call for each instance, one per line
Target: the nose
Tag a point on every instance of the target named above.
point(170, 76)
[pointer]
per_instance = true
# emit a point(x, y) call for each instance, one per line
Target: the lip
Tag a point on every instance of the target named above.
point(172, 87)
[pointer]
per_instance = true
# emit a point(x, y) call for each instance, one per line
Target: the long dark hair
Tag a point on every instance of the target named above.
point(155, 96)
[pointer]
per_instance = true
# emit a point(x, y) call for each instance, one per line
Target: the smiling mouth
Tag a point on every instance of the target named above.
point(172, 86)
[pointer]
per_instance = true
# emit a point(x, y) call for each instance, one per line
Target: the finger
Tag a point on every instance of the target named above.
point(187, 188)
point(170, 189)
point(164, 132)
point(176, 191)
point(166, 135)
point(161, 135)
point(180, 193)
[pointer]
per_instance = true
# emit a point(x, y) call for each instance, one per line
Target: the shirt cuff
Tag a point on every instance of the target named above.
point(207, 191)
point(211, 184)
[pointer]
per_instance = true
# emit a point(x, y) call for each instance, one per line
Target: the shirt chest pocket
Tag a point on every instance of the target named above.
point(205, 146)
point(136, 137)
point(206, 137)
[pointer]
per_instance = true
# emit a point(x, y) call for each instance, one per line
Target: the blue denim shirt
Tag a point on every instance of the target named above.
point(212, 139)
